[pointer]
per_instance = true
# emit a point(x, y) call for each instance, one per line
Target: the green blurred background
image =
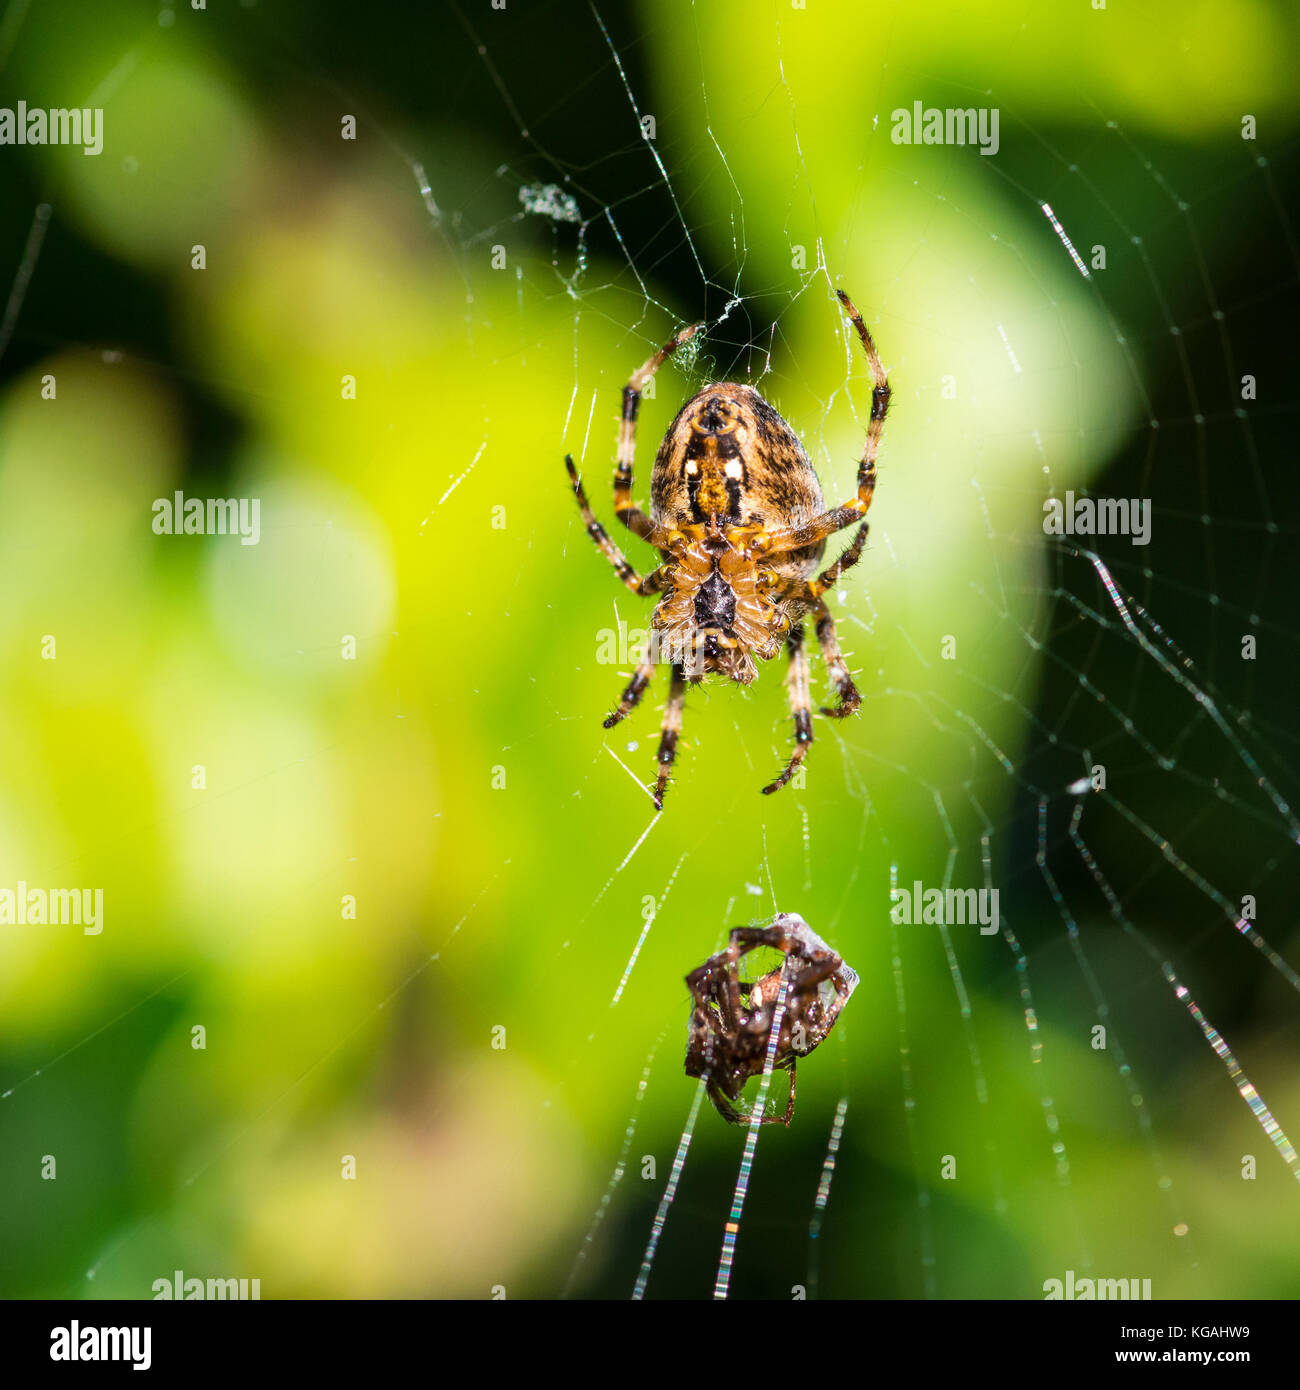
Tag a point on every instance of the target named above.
point(454, 779)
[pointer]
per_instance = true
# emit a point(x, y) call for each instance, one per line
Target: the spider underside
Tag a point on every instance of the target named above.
point(739, 522)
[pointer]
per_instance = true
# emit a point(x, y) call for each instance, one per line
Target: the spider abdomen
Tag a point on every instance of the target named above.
point(730, 455)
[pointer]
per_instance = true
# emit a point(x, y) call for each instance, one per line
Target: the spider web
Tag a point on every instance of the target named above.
point(1079, 1090)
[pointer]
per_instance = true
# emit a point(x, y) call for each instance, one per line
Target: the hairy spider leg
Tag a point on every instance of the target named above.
point(849, 695)
point(652, 583)
point(635, 688)
point(672, 727)
point(625, 509)
point(830, 576)
point(800, 707)
point(815, 531)
point(837, 668)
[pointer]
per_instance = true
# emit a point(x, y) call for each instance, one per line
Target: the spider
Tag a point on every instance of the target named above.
point(737, 515)
point(731, 1021)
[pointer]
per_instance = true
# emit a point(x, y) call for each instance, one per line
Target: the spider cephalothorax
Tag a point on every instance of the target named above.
point(732, 1022)
point(737, 515)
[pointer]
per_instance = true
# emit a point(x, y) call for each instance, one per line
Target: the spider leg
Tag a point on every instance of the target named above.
point(718, 979)
point(850, 696)
point(753, 937)
point(828, 578)
point(625, 509)
point(815, 531)
point(750, 938)
point(805, 972)
point(636, 687)
point(723, 1105)
point(800, 707)
point(740, 941)
point(652, 583)
point(672, 727)
point(814, 972)
point(789, 1107)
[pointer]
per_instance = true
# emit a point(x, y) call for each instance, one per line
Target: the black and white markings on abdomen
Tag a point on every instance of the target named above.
point(715, 603)
point(735, 477)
